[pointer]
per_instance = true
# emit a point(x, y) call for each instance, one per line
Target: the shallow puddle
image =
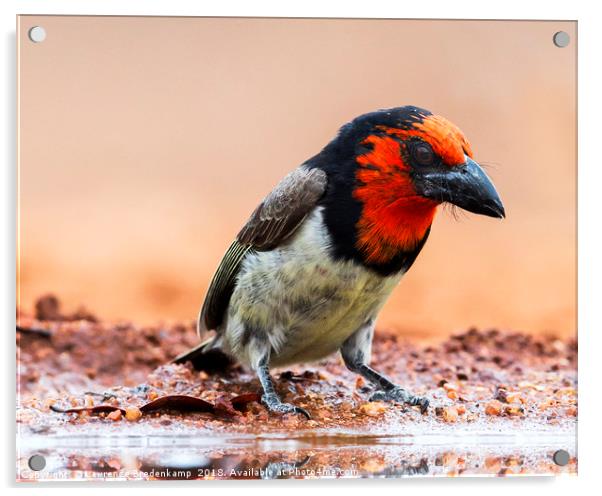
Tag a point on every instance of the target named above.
point(306, 456)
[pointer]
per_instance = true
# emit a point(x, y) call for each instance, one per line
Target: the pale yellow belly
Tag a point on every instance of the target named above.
point(327, 329)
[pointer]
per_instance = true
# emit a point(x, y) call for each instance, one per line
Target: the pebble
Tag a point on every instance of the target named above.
point(374, 408)
point(493, 408)
point(450, 414)
point(115, 415)
point(133, 413)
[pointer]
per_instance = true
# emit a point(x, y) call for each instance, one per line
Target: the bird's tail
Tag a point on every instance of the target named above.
point(206, 356)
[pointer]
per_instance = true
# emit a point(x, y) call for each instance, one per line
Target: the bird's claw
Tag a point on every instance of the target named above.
point(400, 395)
point(274, 404)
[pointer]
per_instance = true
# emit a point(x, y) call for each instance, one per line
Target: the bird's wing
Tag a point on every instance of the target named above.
point(221, 287)
point(273, 221)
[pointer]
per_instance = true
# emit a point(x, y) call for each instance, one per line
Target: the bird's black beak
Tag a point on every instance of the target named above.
point(466, 186)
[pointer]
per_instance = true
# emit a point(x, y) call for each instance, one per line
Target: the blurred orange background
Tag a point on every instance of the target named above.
point(145, 143)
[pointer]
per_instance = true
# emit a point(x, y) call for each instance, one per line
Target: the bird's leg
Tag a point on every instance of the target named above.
point(389, 390)
point(355, 351)
point(270, 398)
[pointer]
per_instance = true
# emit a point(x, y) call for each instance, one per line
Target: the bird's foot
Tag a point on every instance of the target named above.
point(273, 404)
point(400, 395)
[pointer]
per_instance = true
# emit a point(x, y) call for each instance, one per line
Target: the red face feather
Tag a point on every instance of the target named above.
point(444, 137)
point(394, 217)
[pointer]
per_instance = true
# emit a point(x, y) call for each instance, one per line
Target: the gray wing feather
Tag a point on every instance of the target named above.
point(220, 288)
point(283, 210)
point(277, 217)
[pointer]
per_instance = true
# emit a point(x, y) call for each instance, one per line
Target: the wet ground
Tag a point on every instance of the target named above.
point(97, 400)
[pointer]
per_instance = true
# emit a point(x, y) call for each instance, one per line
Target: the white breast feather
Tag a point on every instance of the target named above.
point(305, 302)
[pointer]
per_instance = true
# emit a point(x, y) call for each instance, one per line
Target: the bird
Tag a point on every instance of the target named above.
point(309, 272)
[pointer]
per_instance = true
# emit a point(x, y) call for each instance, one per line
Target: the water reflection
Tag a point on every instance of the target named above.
point(272, 461)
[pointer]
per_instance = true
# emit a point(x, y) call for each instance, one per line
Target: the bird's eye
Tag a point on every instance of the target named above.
point(423, 154)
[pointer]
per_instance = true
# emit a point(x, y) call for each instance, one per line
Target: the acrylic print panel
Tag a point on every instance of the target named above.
point(145, 144)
